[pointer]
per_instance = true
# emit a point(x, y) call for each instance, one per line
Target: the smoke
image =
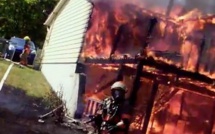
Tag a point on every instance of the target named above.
point(148, 4)
point(205, 6)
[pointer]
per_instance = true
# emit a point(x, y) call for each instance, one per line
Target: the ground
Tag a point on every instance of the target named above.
point(18, 115)
point(22, 101)
point(3, 67)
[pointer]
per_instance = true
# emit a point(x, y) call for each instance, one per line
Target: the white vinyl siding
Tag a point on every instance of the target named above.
point(68, 31)
point(62, 49)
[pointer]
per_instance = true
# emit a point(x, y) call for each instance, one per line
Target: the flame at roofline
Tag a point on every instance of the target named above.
point(184, 33)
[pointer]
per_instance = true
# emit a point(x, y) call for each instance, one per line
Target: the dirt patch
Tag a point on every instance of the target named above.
point(19, 114)
point(16, 101)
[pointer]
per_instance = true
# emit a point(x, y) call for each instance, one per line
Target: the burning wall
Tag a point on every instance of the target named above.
point(100, 78)
point(124, 23)
point(185, 113)
point(175, 111)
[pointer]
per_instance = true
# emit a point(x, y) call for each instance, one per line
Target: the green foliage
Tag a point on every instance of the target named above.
point(25, 17)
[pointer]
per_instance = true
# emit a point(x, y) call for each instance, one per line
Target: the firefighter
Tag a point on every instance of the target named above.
point(25, 52)
point(113, 116)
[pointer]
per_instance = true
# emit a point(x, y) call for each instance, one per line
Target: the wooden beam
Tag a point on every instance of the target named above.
point(136, 84)
point(211, 125)
point(158, 64)
point(117, 39)
point(167, 68)
point(168, 11)
point(150, 106)
point(172, 82)
point(152, 23)
point(185, 85)
point(200, 55)
point(110, 61)
point(166, 99)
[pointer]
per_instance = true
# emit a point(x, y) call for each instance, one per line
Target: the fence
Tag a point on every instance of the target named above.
point(91, 107)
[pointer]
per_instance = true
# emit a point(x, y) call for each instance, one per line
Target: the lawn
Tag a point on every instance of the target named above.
point(3, 67)
point(27, 79)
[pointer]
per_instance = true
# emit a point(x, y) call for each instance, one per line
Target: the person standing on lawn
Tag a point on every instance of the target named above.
point(25, 52)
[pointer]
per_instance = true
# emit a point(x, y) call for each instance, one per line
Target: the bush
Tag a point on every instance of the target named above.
point(54, 99)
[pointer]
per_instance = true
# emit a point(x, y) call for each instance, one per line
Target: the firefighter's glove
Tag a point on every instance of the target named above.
point(112, 128)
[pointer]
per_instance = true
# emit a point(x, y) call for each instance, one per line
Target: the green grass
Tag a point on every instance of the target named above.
point(3, 67)
point(32, 82)
point(29, 80)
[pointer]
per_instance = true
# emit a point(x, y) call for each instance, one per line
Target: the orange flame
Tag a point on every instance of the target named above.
point(106, 22)
point(189, 50)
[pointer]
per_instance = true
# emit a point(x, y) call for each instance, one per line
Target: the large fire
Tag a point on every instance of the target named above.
point(180, 32)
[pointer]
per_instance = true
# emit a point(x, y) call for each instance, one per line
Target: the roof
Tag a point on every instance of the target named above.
point(54, 13)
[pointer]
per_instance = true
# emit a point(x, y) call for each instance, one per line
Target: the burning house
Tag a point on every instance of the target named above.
point(164, 54)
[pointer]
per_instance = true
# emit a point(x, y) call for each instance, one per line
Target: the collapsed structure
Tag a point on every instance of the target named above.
point(165, 60)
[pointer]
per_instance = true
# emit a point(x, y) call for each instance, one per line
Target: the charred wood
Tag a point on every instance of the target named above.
point(151, 27)
point(182, 105)
point(150, 106)
point(57, 112)
point(120, 73)
point(119, 77)
point(117, 39)
point(212, 68)
point(161, 102)
point(136, 84)
point(169, 55)
point(158, 64)
point(167, 68)
point(211, 125)
point(169, 8)
point(179, 84)
point(160, 17)
point(173, 82)
point(108, 61)
point(194, 88)
point(200, 54)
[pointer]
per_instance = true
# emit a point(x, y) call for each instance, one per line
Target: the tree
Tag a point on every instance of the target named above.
point(25, 17)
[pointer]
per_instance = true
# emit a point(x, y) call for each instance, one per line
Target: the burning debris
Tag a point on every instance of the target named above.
point(172, 49)
point(121, 28)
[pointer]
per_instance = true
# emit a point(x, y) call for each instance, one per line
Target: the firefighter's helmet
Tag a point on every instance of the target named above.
point(27, 38)
point(119, 85)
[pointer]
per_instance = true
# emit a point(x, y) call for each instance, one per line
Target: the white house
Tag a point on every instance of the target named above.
point(66, 26)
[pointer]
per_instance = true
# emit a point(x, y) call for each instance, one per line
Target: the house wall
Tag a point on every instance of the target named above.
point(62, 48)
